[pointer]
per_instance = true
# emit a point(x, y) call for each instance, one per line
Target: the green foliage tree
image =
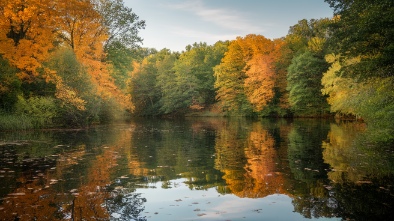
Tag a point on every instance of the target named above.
point(364, 29)
point(166, 82)
point(10, 85)
point(75, 78)
point(303, 33)
point(123, 26)
point(168, 86)
point(143, 84)
point(360, 79)
point(307, 43)
point(230, 76)
point(122, 23)
point(120, 59)
point(212, 59)
point(194, 74)
point(304, 84)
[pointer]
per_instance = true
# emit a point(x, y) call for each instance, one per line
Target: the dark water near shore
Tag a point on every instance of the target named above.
point(198, 169)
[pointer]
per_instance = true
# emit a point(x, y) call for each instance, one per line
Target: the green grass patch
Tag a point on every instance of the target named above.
point(15, 122)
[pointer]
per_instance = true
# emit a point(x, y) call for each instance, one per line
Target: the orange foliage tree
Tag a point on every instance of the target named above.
point(247, 70)
point(26, 34)
point(260, 82)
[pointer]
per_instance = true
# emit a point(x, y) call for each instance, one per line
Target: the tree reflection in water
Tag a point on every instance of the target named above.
point(65, 183)
point(125, 206)
point(326, 169)
point(361, 172)
point(311, 198)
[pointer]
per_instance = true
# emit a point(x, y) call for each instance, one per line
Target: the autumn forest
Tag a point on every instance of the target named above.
point(80, 62)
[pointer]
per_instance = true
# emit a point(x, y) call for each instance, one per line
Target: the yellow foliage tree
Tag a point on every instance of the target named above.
point(340, 89)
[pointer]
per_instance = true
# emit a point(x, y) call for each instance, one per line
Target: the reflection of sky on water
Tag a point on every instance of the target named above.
point(231, 170)
point(181, 203)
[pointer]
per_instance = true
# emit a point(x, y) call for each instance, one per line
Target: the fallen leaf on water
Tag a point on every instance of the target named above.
point(364, 182)
point(17, 194)
point(384, 188)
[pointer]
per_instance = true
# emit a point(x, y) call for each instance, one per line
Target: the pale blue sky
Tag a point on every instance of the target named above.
point(174, 24)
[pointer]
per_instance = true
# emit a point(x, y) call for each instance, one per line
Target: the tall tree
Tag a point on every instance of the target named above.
point(80, 104)
point(167, 83)
point(245, 78)
point(122, 23)
point(304, 84)
point(307, 43)
point(364, 28)
point(360, 79)
point(26, 42)
point(230, 76)
point(282, 55)
point(143, 85)
point(122, 26)
point(83, 31)
point(343, 92)
point(259, 85)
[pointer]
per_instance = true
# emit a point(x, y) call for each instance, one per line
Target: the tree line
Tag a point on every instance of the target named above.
point(79, 62)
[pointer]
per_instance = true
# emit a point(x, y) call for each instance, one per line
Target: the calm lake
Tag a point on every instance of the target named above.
point(198, 169)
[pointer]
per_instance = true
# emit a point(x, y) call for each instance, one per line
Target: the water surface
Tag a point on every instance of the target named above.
point(198, 169)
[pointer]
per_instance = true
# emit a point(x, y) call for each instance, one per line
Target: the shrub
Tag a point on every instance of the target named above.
point(41, 110)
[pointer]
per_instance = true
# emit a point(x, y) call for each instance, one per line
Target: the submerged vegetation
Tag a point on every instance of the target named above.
point(80, 63)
